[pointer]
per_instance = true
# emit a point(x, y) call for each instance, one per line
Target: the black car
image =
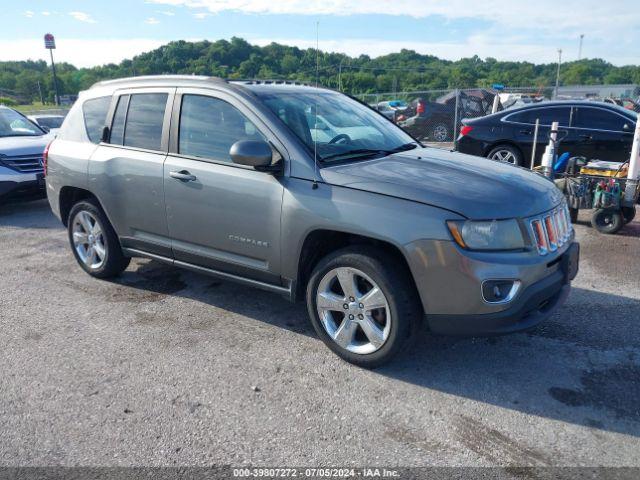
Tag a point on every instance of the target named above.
point(588, 129)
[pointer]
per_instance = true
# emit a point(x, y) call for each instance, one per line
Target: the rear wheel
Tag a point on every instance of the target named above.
point(607, 220)
point(506, 154)
point(362, 305)
point(440, 133)
point(94, 242)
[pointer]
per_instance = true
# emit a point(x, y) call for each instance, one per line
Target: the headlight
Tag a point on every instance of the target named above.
point(487, 235)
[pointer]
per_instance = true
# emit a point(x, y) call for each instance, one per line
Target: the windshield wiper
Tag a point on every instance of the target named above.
point(366, 152)
point(404, 147)
point(360, 152)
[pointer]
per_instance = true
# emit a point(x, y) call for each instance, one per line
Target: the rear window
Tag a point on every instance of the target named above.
point(145, 117)
point(95, 116)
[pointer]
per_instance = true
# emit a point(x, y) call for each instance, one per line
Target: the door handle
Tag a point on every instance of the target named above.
point(525, 132)
point(586, 137)
point(183, 175)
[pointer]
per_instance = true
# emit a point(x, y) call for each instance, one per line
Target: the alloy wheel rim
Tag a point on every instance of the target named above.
point(440, 133)
point(504, 156)
point(353, 310)
point(88, 240)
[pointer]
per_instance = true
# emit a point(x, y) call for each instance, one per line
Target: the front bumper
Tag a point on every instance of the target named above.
point(533, 305)
point(16, 183)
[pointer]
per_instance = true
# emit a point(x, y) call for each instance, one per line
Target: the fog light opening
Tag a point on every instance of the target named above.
point(499, 291)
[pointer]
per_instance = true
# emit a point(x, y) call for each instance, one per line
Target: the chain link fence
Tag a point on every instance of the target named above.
point(435, 116)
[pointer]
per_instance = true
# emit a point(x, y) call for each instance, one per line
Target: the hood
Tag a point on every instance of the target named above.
point(474, 187)
point(12, 146)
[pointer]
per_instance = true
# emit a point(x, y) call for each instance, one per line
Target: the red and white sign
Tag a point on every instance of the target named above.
point(49, 41)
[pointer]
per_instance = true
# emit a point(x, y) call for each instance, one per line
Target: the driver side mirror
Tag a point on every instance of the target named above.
point(253, 153)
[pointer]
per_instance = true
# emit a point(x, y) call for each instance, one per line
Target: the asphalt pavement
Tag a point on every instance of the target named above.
point(167, 367)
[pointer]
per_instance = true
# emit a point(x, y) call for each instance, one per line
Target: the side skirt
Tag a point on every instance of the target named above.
point(287, 292)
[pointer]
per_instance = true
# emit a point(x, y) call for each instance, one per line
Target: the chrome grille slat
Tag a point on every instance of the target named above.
point(23, 163)
point(553, 225)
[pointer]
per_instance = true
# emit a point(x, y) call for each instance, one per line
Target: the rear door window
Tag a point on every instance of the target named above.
point(546, 116)
point(144, 120)
point(209, 126)
point(599, 119)
point(95, 116)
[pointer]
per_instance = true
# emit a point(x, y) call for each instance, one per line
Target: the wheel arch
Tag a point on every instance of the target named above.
point(319, 243)
point(69, 196)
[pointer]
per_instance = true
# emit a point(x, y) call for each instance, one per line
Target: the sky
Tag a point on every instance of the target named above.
point(92, 33)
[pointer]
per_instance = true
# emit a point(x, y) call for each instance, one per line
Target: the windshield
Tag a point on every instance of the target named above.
point(12, 124)
point(337, 126)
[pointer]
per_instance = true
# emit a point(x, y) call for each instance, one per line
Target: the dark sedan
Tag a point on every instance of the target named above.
point(593, 130)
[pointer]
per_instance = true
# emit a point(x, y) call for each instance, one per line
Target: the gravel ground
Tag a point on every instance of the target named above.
point(165, 367)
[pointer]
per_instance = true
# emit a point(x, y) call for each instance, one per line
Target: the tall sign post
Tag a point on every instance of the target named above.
point(50, 44)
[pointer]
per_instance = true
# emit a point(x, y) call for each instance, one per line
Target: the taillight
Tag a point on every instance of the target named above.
point(45, 158)
point(420, 108)
point(465, 130)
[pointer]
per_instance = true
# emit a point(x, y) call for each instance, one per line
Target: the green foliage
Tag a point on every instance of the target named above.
point(9, 102)
point(234, 59)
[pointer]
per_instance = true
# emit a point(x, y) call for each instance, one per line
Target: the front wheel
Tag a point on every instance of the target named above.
point(440, 133)
point(362, 305)
point(93, 241)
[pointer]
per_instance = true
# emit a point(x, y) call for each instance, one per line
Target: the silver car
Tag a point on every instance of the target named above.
point(374, 232)
point(22, 145)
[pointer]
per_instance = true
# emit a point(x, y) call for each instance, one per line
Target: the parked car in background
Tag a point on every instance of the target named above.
point(624, 102)
point(392, 109)
point(48, 122)
point(373, 232)
point(434, 121)
point(595, 130)
point(22, 144)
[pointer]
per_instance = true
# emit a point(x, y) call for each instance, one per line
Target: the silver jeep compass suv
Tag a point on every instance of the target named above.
point(308, 193)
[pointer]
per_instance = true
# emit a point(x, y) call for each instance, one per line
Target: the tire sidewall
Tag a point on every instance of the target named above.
point(400, 327)
point(613, 227)
point(114, 260)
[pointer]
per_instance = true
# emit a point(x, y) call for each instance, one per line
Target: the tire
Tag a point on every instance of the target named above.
point(440, 133)
point(506, 154)
point(628, 214)
point(573, 215)
point(83, 236)
point(607, 220)
point(392, 326)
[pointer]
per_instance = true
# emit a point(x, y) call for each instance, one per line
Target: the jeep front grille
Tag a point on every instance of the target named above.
point(551, 230)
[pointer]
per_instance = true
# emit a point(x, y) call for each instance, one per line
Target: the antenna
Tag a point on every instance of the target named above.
point(315, 140)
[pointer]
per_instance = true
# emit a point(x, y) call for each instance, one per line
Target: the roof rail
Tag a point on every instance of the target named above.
point(259, 81)
point(158, 78)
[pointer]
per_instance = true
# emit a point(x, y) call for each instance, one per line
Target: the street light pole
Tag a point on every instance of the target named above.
point(558, 73)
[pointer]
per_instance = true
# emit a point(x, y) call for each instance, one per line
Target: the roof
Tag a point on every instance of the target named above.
point(159, 80)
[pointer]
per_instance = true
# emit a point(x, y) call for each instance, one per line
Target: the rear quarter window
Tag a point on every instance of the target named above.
point(95, 116)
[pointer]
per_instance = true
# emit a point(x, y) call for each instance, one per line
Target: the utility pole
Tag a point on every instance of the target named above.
point(558, 73)
point(580, 48)
point(50, 44)
point(340, 76)
point(40, 92)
